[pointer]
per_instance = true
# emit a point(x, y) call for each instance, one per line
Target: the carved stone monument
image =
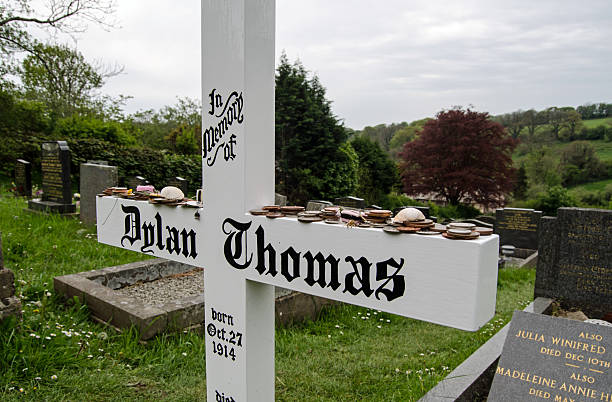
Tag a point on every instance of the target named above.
point(575, 259)
point(56, 185)
point(23, 178)
point(518, 227)
point(94, 179)
point(9, 304)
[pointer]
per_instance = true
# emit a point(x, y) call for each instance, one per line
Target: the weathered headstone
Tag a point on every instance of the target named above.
point(575, 259)
point(280, 199)
point(518, 227)
point(317, 205)
point(94, 179)
point(97, 162)
point(556, 359)
point(56, 185)
point(135, 181)
point(9, 304)
point(23, 178)
point(351, 202)
point(179, 182)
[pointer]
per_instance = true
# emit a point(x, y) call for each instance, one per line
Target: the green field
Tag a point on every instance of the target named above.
point(597, 122)
point(350, 353)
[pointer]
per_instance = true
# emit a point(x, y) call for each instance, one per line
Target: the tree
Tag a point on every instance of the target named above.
point(513, 122)
point(579, 163)
point(461, 155)
point(377, 173)
point(18, 18)
point(382, 133)
point(404, 135)
point(61, 78)
point(310, 159)
point(542, 169)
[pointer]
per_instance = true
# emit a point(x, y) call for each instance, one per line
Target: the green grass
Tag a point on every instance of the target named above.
point(597, 122)
point(593, 186)
point(57, 354)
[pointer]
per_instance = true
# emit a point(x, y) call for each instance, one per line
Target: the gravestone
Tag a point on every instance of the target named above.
point(245, 256)
point(317, 205)
point(518, 227)
point(575, 259)
point(23, 178)
point(280, 199)
point(556, 359)
point(350, 202)
point(9, 304)
point(97, 162)
point(424, 210)
point(56, 184)
point(94, 179)
point(179, 182)
point(134, 181)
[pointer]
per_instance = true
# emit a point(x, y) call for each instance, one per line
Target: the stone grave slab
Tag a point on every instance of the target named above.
point(517, 227)
point(108, 296)
point(317, 205)
point(350, 202)
point(56, 184)
point(23, 178)
point(179, 182)
point(548, 358)
point(135, 181)
point(280, 199)
point(575, 259)
point(10, 305)
point(94, 179)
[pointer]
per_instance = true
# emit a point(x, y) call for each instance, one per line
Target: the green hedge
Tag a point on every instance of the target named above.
point(156, 166)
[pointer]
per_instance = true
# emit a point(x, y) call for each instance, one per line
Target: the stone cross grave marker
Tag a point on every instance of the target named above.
point(443, 281)
point(23, 178)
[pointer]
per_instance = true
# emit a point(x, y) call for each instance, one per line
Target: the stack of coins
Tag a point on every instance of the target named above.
point(377, 216)
point(461, 234)
point(309, 216)
point(291, 209)
point(330, 214)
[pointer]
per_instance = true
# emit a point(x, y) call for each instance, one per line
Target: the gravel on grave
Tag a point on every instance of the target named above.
point(174, 287)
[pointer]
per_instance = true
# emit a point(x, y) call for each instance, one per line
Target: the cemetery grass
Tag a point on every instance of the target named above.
point(57, 353)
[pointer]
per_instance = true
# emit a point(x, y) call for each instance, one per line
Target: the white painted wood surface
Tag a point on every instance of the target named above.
point(429, 278)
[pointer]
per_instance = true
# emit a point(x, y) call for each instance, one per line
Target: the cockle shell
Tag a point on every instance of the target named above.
point(408, 215)
point(172, 193)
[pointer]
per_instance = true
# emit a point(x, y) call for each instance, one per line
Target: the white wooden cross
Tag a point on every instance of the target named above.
point(448, 282)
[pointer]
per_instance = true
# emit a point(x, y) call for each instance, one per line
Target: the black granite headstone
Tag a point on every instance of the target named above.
point(351, 202)
point(179, 182)
point(575, 259)
point(56, 185)
point(518, 227)
point(23, 178)
point(556, 359)
point(135, 181)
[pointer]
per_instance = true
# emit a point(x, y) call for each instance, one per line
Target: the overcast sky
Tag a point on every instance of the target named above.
point(385, 61)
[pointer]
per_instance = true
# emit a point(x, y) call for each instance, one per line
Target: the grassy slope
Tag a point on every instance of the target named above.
point(340, 357)
point(597, 122)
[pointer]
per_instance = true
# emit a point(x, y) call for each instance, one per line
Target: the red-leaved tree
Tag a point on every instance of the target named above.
point(462, 156)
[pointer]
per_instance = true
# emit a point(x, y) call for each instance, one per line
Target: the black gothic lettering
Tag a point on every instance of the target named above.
point(399, 283)
point(320, 278)
point(213, 136)
point(233, 248)
point(261, 255)
point(131, 224)
point(148, 234)
point(363, 278)
point(189, 243)
point(295, 257)
point(172, 241)
point(159, 226)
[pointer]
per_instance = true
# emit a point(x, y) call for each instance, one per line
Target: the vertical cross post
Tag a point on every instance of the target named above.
point(237, 172)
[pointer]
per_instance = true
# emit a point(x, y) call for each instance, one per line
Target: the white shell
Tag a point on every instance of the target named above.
point(172, 193)
point(408, 215)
